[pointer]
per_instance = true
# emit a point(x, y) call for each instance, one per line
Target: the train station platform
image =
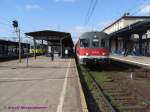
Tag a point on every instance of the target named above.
point(141, 61)
point(44, 86)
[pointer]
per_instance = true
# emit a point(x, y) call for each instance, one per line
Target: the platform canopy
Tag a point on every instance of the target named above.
point(140, 27)
point(52, 36)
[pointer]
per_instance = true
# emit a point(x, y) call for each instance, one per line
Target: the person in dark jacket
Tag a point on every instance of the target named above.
point(52, 56)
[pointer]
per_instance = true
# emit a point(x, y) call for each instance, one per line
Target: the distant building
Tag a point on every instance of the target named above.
point(10, 49)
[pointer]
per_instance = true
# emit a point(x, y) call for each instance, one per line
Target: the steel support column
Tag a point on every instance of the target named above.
point(61, 48)
point(110, 41)
point(124, 44)
point(147, 46)
point(42, 48)
point(34, 41)
point(116, 41)
point(140, 44)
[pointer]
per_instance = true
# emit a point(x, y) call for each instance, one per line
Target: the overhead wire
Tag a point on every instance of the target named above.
point(90, 11)
point(140, 9)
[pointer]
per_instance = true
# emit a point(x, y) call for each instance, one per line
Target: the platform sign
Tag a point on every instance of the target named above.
point(95, 40)
point(26, 51)
point(148, 33)
point(66, 51)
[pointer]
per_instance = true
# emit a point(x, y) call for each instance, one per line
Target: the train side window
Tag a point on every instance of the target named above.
point(95, 43)
point(84, 42)
point(102, 43)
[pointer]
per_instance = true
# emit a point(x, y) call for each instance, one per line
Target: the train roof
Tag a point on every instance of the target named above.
point(92, 34)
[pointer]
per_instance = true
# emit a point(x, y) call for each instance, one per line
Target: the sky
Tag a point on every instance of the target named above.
point(64, 15)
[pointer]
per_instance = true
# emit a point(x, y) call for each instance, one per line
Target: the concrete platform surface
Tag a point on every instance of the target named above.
point(44, 86)
point(136, 60)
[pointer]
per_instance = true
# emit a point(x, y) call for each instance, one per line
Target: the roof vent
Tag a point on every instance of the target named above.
point(126, 14)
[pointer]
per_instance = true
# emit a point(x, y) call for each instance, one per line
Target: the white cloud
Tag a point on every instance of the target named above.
point(69, 1)
point(104, 24)
point(78, 30)
point(32, 6)
point(145, 9)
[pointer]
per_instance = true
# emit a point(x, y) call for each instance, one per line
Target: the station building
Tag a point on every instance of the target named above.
point(10, 49)
point(129, 33)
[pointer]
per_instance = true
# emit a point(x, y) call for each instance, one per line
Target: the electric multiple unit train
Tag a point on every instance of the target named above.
point(92, 49)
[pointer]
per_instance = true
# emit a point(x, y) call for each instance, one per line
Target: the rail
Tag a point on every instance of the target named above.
point(107, 105)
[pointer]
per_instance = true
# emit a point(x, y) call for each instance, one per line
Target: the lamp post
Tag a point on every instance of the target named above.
point(17, 30)
point(27, 54)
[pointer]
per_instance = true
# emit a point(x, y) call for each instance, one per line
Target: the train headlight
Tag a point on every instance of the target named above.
point(103, 53)
point(86, 54)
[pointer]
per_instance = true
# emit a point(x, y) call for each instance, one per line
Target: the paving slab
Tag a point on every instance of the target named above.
point(136, 60)
point(44, 86)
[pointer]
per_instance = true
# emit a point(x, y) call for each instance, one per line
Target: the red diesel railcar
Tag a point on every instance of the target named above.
point(92, 49)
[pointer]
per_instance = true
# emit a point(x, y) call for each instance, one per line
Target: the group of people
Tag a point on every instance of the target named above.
point(127, 51)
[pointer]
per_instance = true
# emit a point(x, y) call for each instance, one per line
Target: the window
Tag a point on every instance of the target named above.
point(1, 50)
point(95, 42)
point(84, 42)
point(102, 43)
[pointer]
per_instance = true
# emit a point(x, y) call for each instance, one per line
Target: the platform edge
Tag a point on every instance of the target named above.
point(82, 96)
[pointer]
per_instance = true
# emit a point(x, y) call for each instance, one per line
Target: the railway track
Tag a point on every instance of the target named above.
point(105, 106)
point(103, 103)
point(115, 94)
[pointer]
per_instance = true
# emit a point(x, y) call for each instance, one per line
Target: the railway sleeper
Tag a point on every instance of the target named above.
point(124, 101)
point(114, 91)
point(109, 88)
point(113, 88)
point(128, 103)
point(110, 84)
point(123, 98)
point(119, 94)
point(133, 109)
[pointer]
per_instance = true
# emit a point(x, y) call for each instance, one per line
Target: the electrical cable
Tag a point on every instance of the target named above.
point(89, 10)
point(92, 11)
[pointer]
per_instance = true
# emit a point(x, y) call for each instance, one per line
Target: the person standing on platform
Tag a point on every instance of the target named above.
point(134, 51)
point(126, 52)
point(52, 56)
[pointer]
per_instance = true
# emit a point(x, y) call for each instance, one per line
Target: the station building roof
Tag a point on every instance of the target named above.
point(127, 17)
point(140, 27)
point(52, 36)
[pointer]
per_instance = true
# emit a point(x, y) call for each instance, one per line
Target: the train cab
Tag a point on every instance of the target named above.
point(91, 48)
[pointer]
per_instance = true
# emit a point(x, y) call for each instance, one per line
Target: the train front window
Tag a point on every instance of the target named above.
point(95, 42)
point(84, 42)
